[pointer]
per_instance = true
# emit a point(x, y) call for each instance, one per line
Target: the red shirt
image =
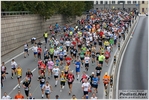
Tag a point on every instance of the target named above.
point(107, 54)
point(39, 50)
point(74, 43)
point(68, 60)
point(43, 66)
point(101, 33)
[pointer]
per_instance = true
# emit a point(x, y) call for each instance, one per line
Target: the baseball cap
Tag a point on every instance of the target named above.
point(93, 73)
point(106, 73)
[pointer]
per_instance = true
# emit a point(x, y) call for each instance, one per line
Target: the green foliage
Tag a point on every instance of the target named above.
point(49, 8)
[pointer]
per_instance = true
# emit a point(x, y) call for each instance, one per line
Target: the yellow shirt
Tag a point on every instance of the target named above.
point(66, 68)
point(19, 71)
point(63, 77)
point(106, 43)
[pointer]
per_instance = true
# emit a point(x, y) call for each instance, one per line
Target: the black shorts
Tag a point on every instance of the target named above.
point(55, 76)
point(98, 74)
point(75, 55)
point(93, 56)
point(65, 56)
point(87, 65)
point(82, 58)
point(66, 72)
point(47, 93)
point(100, 62)
point(61, 59)
point(13, 68)
point(79, 46)
point(115, 41)
point(95, 86)
point(63, 83)
point(18, 77)
point(107, 58)
point(69, 83)
point(55, 56)
point(2, 72)
point(85, 92)
point(25, 50)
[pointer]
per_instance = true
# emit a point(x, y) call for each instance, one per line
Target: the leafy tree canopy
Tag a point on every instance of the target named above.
point(48, 8)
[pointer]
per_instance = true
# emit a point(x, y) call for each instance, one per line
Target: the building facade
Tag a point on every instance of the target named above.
point(143, 7)
point(127, 5)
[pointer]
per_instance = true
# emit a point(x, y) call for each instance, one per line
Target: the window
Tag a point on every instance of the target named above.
point(134, 2)
point(106, 2)
point(142, 2)
point(121, 2)
point(113, 2)
point(128, 2)
point(142, 9)
point(101, 2)
point(96, 2)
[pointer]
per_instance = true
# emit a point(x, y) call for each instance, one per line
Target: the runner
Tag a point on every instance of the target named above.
point(67, 43)
point(98, 70)
point(66, 69)
point(46, 58)
point(87, 60)
point(26, 49)
point(68, 60)
point(107, 56)
point(74, 97)
point(74, 54)
point(13, 67)
point(94, 97)
point(93, 52)
point(6, 96)
point(45, 35)
point(82, 56)
point(61, 57)
point(51, 52)
point(39, 51)
point(78, 65)
point(39, 64)
point(70, 78)
point(84, 77)
point(19, 95)
point(101, 58)
point(50, 65)
point(48, 89)
point(30, 96)
point(29, 75)
point(3, 70)
point(42, 80)
point(95, 82)
point(106, 80)
point(56, 52)
point(90, 78)
point(56, 71)
point(86, 87)
point(34, 49)
point(26, 86)
point(19, 74)
point(63, 80)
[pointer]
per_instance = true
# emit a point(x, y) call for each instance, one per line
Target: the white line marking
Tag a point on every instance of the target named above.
point(15, 87)
point(34, 70)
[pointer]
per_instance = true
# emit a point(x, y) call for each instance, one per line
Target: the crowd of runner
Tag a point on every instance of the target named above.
point(90, 41)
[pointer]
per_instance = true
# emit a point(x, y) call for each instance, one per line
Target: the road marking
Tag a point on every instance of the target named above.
point(15, 86)
point(35, 89)
point(20, 82)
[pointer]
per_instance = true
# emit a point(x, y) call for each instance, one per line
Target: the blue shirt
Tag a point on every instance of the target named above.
point(78, 64)
point(95, 80)
point(61, 54)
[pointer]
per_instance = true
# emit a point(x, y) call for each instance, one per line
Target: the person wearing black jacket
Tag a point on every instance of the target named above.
point(46, 58)
point(91, 77)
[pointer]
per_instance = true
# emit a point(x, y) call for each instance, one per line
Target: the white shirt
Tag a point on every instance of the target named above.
point(93, 98)
point(87, 59)
point(25, 46)
point(67, 43)
point(6, 97)
point(13, 64)
point(56, 71)
point(34, 48)
point(85, 86)
point(56, 52)
point(65, 52)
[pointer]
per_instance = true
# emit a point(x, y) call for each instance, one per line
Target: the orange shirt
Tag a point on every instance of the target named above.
point(106, 78)
point(17, 96)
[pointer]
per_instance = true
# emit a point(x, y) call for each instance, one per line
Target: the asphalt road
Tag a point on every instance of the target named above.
point(10, 85)
point(134, 68)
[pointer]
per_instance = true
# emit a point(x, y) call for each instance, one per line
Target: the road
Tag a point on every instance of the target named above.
point(10, 85)
point(134, 68)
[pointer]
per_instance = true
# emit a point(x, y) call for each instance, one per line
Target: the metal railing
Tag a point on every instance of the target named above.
point(3, 13)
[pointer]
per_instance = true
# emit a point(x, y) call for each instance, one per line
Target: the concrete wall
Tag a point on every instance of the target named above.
point(16, 30)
